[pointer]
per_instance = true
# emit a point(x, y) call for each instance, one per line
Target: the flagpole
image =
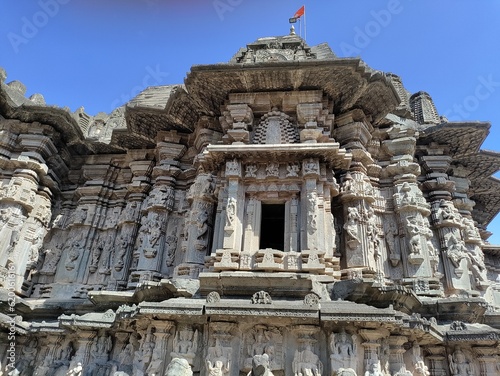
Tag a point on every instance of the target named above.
point(305, 27)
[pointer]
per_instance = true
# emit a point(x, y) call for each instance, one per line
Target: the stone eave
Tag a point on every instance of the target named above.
point(348, 81)
point(487, 197)
point(58, 118)
point(463, 138)
point(172, 111)
point(215, 155)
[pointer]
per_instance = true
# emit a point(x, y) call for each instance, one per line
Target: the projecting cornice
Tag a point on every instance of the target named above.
point(348, 81)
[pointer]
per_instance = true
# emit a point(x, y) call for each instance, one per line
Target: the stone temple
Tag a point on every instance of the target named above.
point(288, 213)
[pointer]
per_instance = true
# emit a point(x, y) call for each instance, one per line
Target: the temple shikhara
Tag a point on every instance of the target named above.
point(288, 213)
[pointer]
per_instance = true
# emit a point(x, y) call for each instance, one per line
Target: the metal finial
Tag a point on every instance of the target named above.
point(292, 30)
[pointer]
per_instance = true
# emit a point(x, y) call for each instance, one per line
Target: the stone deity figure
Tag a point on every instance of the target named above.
point(343, 350)
point(351, 227)
point(307, 363)
point(459, 365)
point(230, 211)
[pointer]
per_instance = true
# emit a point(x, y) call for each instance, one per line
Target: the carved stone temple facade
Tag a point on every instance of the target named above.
point(287, 213)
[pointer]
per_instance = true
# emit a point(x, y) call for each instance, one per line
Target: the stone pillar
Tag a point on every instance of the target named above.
point(438, 365)
point(489, 360)
point(372, 347)
point(232, 219)
point(162, 333)
point(396, 352)
point(197, 227)
point(251, 233)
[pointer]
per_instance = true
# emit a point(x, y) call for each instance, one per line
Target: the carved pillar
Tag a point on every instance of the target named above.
point(489, 360)
point(361, 227)
point(251, 233)
point(231, 220)
point(310, 172)
point(306, 360)
point(197, 227)
point(162, 333)
point(131, 219)
point(371, 347)
point(396, 352)
point(438, 364)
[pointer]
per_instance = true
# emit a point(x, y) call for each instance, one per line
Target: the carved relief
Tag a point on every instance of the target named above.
point(460, 365)
point(343, 350)
point(218, 361)
point(260, 340)
point(306, 362)
point(185, 344)
point(351, 227)
point(448, 214)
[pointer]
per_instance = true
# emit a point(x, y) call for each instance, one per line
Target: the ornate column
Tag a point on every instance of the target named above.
point(126, 259)
point(306, 360)
point(162, 333)
point(311, 220)
point(438, 364)
point(197, 227)
point(232, 215)
point(372, 347)
point(489, 360)
point(397, 365)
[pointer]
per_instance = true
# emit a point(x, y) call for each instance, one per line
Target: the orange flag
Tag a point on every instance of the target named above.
point(300, 12)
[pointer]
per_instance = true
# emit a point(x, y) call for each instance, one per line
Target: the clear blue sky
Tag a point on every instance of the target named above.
point(100, 53)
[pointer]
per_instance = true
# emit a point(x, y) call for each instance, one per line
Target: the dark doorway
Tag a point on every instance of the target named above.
point(272, 226)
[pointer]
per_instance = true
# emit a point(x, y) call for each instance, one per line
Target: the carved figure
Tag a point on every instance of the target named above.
point(292, 170)
point(171, 243)
point(351, 227)
point(476, 258)
point(307, 363)
point(185, 344)
point(178, 367)
point(230, 211)
point(272, 169)
point(448, 213)
point(310, 167)
point(202, 223)
point(456, 251)
point(459, 365)
point(232, 167)
point(415, 236)
point(343, 350)
point(218, 361)
point(251, 171)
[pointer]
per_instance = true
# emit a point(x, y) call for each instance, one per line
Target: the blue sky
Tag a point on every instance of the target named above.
point(100, 53)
